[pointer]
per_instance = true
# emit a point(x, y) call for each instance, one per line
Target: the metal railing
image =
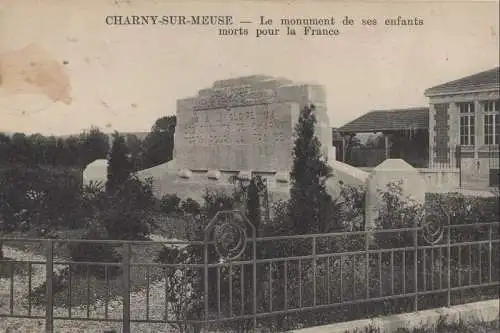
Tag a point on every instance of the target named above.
point(239, 277)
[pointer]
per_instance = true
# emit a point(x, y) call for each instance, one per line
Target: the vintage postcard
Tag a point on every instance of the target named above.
point(249, 166)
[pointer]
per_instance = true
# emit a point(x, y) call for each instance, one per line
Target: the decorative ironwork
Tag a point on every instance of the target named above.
point(433, 228)
point(229, 234)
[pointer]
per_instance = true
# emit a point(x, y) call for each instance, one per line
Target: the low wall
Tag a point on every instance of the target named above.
point(436, 178)
point(348, 174)
point(485, 311)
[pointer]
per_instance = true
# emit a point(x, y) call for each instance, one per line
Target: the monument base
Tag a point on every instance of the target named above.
point(168, 179)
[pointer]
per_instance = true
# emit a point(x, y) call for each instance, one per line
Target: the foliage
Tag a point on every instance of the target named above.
point(190, 206)
point(308, 197)
point(180, 293)
point(128, 214)
point(217, 200)
point(98, 252)
point(124, 214)
point(396, 212)
point(253, 203)
point(37, 150)
point(120, 165)
point(136, 149)
point(170, 203)
point(159, 144)
point(352, 207)
point(39, 198)
point(464, 209)
point(94, 145)
point(185, 286)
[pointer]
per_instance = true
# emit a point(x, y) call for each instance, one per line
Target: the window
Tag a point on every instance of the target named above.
point(491, 122)
point(467, 123)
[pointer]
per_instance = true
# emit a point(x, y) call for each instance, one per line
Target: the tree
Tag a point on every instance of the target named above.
point(20, 149)
point(70, 156)
point(253, 203)
point(135, 147)
point(159, 144)
point(119, 166)
point(308, 197)
point(5, 148)
point(94, 145)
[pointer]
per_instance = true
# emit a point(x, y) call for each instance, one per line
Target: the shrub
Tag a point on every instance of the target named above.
point(352, 208)
point(464, 209)
point(190, 206)
point(128, 212)
point(40, 198)
point(180, 292)
point(98, 252)
point(215, 201)
point(170, 203)
point(397, 212)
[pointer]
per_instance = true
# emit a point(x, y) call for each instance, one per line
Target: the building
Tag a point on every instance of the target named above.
point(464, 126)
point(401, 129)
point(459, 131)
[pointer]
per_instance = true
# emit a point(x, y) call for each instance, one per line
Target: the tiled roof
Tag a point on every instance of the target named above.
point(486, 80)
point(389, 120)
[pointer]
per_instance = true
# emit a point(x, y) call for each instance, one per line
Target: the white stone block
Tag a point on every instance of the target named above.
point(185, 173)
point(214, 174)
point(413, 186)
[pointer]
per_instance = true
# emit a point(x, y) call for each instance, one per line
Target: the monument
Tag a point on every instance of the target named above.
point(239, 127)
point(245, 124)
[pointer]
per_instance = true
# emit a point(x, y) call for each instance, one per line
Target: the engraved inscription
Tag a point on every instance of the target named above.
point(235, 96)
point(258, 124)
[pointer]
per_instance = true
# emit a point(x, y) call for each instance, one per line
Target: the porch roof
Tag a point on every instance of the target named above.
point(389, 120)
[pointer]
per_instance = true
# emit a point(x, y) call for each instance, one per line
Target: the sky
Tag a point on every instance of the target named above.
point(63, 69)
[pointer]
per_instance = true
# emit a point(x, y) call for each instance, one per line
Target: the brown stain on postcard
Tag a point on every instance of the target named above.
point(32, 70)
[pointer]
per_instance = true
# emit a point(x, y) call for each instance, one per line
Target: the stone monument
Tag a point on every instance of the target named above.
point(245, 124)
point(239, 127)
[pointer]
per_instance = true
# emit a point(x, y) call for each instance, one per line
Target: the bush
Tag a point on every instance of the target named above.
point(190, 206)
point(40, 198)
point(397, 212)
point(463, 209)
point(352, 207)
point(128, 211)
point(215, 201)
point(170, 203)
point(98, 252)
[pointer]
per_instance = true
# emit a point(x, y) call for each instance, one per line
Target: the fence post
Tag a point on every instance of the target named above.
point(126, 287)
point(205, 281)
point(49, 271)
point(448, 252)
point(459, 157)
point(415, 264)
point(254, 271)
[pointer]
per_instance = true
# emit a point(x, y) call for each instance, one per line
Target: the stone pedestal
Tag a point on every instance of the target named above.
point(392, 170)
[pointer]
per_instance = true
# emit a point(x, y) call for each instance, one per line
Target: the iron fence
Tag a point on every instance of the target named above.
point(233, 276)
